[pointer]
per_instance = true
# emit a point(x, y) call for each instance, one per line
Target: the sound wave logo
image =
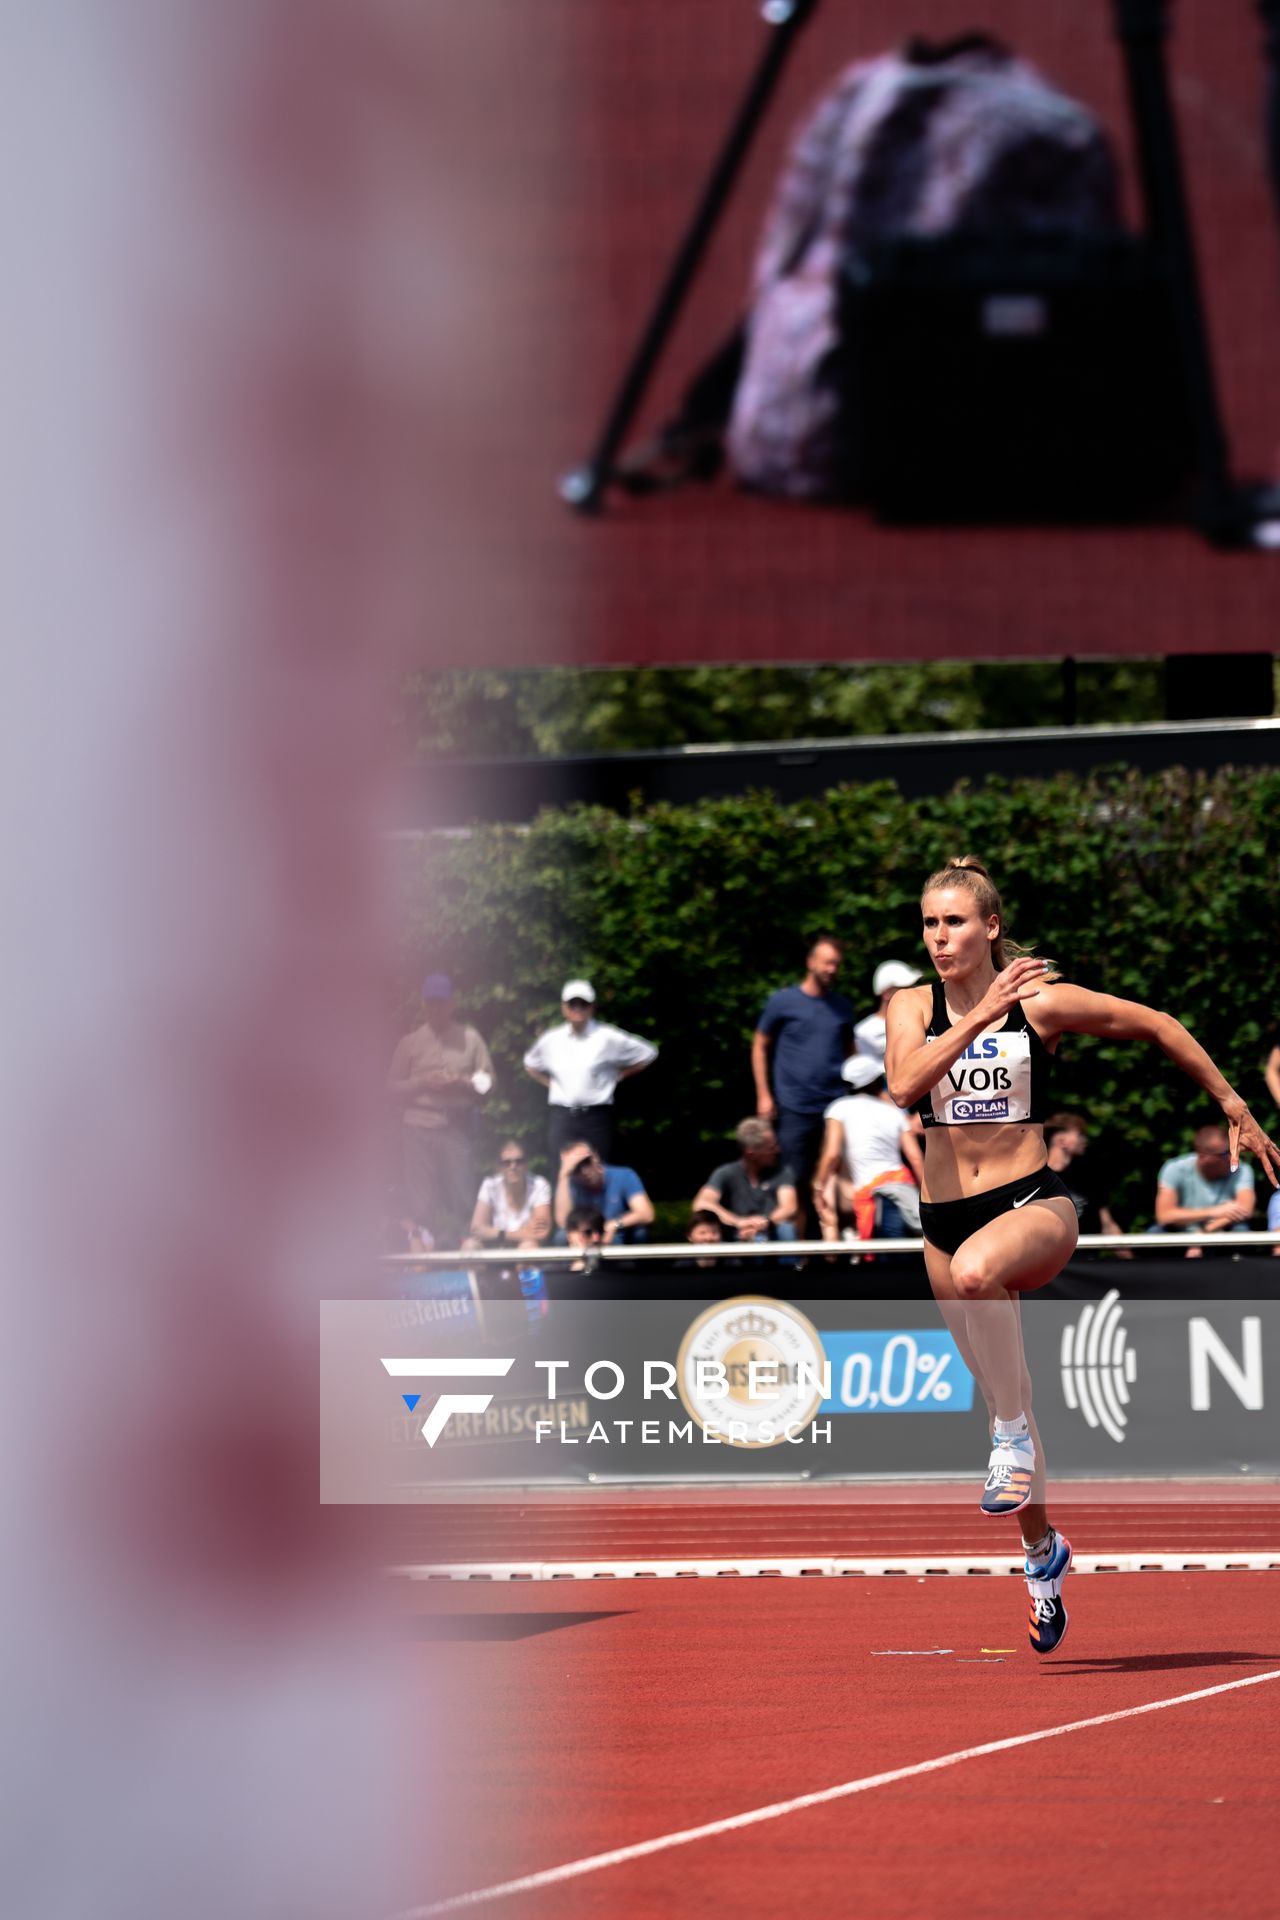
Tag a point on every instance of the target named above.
point(1098, 1366)
point(438, 1418)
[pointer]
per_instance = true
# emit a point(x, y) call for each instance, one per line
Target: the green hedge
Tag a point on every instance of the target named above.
point(1164, 888)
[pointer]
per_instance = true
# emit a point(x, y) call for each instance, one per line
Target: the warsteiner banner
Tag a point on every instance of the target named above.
point(749, 1387)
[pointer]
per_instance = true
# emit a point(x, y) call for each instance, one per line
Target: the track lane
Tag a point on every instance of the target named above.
point(676, 1704)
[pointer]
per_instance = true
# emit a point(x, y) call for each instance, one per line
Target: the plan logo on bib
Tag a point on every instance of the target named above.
point(990, 1081)
point(1099, 1366)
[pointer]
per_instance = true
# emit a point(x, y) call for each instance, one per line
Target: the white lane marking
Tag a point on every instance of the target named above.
point(1163, 1560)
point(574, 1869)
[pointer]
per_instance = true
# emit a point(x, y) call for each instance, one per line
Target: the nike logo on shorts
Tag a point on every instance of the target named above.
point(1027, 1196)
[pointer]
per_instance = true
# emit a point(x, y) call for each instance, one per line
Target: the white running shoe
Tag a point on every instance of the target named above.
point(1046, 1615)
point(1009, 1474)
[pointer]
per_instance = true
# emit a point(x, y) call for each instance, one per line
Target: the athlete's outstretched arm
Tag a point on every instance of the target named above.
point(1068, 1009)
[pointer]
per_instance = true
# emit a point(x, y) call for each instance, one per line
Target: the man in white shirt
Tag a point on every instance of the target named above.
point(869, 1034)
point(872, 1144)
point(580, 1064)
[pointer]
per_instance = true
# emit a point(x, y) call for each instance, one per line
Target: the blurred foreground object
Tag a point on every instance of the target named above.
point(948, 322)
point(218, 350)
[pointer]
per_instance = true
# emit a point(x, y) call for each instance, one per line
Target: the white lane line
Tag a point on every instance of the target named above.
point(574, 1869)
point(1180, 1560)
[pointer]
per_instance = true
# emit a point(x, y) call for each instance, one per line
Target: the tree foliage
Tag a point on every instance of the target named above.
point(615, 710)
point(1163, 888)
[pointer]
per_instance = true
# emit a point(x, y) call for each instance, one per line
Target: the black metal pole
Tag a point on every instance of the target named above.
point(1141, 27)
point(1269, 11)
point(583, 488)
point(1070, 691)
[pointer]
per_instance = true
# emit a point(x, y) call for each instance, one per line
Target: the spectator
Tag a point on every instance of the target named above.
point(513, 1207)
point(580, 1063)
point(1066, 1138)
point(1273, 1218)
point(1199, 1191)
point(868, 1035)
point(1271, 1073)
point(616, 1192)
point(584, 1228)
point(753, 1197)
point(877, 1145)
point(804, 1034)
point(402, 1235)
point(706, 1229)
point(441, 1072)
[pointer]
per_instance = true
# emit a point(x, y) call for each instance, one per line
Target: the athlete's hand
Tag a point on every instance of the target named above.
point(1245, 1132)
point(1022, 979)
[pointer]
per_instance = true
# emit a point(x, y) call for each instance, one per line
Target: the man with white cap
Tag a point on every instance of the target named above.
point(868, 1034)
point(871, 1150)
point(580, 1063)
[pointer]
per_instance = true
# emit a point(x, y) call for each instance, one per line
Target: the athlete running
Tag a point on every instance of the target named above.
point(973, 1054)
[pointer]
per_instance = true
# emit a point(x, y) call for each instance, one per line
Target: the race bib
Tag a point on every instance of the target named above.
point(990, 1081)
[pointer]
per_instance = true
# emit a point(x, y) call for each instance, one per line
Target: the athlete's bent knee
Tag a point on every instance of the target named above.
point(971, 1276)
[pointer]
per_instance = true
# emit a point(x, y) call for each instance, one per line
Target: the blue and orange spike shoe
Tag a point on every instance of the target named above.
point(1046, 1615)
point(1009, 1474)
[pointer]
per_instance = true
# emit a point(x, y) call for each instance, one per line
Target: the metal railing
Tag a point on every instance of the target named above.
point(1155, 1244)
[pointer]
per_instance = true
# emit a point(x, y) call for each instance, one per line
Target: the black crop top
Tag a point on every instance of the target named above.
point(1002, 1075)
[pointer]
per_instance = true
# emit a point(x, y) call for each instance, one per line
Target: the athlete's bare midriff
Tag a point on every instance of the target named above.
point(962, 1161)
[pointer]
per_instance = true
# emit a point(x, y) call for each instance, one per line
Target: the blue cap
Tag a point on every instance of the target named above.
point(437, 986)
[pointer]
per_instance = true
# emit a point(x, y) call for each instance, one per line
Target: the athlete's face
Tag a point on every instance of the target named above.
point(957, 936)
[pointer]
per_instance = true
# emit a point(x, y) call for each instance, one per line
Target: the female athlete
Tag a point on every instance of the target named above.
point(973, 1054)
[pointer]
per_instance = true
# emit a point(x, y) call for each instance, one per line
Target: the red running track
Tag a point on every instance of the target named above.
point(706, 1523)
point(573, 1719)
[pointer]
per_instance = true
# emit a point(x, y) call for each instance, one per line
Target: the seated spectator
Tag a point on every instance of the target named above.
point(513, 1207)
point(1066, 1138)
point(753, 1197)
point(584, 1228)
point(878, 1147)
point(706, 1229)
point(1198, 1192)
point(402, 1235)
point(1273, 1218)
point(616, 1192)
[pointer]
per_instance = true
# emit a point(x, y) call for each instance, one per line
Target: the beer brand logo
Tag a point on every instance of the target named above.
point(753, 1371)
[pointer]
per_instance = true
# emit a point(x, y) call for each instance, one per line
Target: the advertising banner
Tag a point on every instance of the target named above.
point(747, 1387)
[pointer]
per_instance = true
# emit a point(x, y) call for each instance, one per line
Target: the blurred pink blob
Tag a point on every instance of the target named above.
point(239, 281)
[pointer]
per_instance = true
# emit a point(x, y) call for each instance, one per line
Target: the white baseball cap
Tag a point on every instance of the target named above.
point(578, 990)
point(893, 973)
point(860, 1070)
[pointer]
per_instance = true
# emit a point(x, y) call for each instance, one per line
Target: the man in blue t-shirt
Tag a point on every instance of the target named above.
point(618, 1193)
point(805, 1033)
point(1199, 1193)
